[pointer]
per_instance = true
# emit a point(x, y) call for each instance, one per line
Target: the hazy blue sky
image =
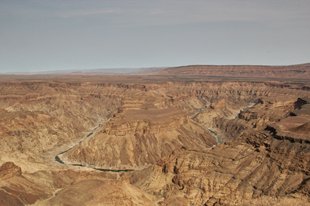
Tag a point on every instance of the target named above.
point(38, 35)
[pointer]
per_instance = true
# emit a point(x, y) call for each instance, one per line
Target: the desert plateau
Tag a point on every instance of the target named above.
point(190, 135)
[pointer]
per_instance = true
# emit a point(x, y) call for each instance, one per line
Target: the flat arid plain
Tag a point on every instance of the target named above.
point(191, 135)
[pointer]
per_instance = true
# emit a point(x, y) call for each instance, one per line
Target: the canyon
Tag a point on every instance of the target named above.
point(191, 135)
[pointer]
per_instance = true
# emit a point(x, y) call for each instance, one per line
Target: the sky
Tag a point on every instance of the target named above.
point(47, 35)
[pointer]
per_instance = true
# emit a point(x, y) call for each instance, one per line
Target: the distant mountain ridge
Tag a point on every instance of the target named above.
point(86, 71)
point(298, 71)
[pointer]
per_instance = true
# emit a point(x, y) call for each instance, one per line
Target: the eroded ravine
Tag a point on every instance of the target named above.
point(248, 164)
point(58, 158)
point(214, 131)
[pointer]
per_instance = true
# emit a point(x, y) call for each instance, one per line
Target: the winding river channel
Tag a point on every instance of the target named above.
point(58, 158)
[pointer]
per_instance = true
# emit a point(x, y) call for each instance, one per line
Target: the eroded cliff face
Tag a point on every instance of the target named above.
point(254, 170)
point(168, 143)
point(40, 117)
point(194, 116)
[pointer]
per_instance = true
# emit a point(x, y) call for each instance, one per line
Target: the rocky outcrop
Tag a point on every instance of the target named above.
point(299, 103)
point(9, 169)
point(235, 173)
